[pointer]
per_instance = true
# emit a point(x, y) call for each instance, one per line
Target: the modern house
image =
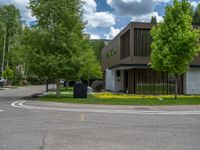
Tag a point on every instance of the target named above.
point(125, 64)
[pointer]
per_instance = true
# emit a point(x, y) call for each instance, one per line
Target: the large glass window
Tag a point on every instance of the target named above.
point(142, 42)
point(125, 45)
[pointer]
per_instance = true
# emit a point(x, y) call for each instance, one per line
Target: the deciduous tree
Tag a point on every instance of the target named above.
point(175, 41)
point(60, 49)
point(97, 46)
point(196, 16)
point(8, 74)
point(10, 21)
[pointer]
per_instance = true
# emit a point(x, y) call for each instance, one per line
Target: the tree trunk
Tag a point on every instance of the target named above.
point(3, 57)
point(7, 40)
point(8, 52)
point(88, 82)
point(67, 84)
point(176, 87)
point(47, 87)
point(58, 88)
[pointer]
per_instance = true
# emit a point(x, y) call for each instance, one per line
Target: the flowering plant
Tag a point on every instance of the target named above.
point(110, 95)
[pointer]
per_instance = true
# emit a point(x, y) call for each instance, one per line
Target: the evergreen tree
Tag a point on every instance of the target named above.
point(153, 19)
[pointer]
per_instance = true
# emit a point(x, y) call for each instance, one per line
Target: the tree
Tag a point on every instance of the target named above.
point(61, 26)
point(60, 50)
point(196, 16)
point(2, 33)
point(21, 53)
point(8, 74)
point(97, 46)
point(91, 68)
point(175, 42)
point(153, 19)
point(10, 21)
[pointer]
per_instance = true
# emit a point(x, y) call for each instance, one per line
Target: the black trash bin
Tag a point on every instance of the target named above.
point(80, 90)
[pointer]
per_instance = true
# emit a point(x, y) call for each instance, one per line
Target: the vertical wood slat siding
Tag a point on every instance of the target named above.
point(126, 81)
point(142, 42)
point(131, 81)
point(148, 81)
point(125, 45)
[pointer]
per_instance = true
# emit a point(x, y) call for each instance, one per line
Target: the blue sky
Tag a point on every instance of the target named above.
point(105, 18)
point(123, 12)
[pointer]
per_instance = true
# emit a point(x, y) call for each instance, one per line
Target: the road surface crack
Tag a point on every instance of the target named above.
point(43, 145)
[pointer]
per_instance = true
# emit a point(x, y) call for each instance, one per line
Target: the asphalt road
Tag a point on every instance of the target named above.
point(40, 129)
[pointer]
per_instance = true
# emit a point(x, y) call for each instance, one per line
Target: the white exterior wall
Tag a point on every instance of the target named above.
point(192, 81)
point(114, 83)
point(110, 80)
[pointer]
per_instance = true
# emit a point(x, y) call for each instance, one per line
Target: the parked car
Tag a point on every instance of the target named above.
point(62, 81)
point(97, 85)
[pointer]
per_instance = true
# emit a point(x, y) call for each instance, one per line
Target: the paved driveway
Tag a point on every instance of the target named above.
point(40, 129)
point(12, 94)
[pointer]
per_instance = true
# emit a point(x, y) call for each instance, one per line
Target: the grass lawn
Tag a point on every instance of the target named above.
point(92, 99)
point(69, 89)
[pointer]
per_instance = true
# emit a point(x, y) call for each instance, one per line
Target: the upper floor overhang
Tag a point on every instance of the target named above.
point(132, 46)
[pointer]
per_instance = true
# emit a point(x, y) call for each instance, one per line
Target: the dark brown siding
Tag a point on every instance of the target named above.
point(132, 51)
point(131, 77)
point(142, 42)
point(148, 81)
point(125, 45)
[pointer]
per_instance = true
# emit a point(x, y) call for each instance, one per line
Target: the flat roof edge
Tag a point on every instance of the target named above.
point(139, 66)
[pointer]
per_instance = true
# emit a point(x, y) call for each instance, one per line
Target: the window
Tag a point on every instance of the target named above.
point(118, 73)
point(125, 45)
point(111, 53)
point(142, 42)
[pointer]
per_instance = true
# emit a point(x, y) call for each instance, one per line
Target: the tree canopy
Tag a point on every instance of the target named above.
point(153, 19)
point(10, 26)
point(175, 41)
point(97, 46)
point(62, 50)
point(196, 16)
point(8, 74)
point(11, 22)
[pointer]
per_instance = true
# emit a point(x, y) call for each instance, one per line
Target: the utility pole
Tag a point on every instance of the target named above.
point(4, 46)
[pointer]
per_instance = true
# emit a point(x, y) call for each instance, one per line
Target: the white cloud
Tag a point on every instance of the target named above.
point(96, 19)
point(100, 19)
point(147, 18)
point(112, 33)
point(94, 36)
point(131, 7)
point(162, 1)
point(134, 7)
point(21, 4)
point(128, 1)
point(194, 4)
point(109, 2)
point(139, 10)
